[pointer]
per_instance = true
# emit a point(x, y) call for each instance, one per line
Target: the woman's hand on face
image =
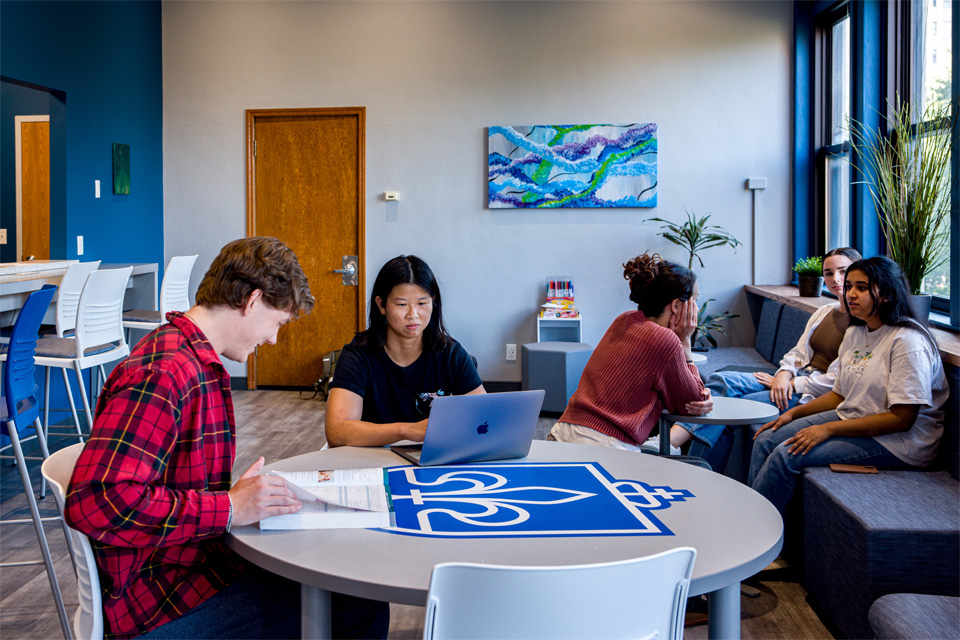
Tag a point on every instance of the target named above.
point(684, 322)
point(809, 437)
point(781, 390)
point(775, 424)
point(700, 407)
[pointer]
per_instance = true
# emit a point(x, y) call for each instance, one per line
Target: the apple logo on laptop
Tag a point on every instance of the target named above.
point(483, 428)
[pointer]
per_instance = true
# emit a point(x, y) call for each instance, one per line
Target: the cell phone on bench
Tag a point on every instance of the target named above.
point(852, 468)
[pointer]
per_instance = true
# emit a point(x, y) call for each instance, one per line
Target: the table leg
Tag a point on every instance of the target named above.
point(724, 609)
point(664, 437)
point(314, 613)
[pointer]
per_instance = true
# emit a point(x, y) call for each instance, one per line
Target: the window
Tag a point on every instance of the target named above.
point(853, 59)
point(834, 173)
point(930, 84)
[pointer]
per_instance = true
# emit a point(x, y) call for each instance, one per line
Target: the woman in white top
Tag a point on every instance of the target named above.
point(885, 406)
point(806, 371)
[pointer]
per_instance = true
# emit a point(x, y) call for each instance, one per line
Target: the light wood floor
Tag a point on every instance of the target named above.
point(277, 425)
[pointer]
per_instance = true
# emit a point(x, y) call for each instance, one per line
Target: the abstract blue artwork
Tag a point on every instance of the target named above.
point(526, 499)
point(590, 165)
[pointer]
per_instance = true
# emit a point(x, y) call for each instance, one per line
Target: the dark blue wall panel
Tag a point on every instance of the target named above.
point(100, 63)
point(105, 57)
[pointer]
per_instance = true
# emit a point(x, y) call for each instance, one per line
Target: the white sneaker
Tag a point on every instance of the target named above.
point(653, 444)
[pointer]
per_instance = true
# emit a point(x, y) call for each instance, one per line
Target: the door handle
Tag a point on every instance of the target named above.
point(349, 271)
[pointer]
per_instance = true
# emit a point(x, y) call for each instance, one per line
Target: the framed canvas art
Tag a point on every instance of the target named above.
point(121, 169)
point(590, 165)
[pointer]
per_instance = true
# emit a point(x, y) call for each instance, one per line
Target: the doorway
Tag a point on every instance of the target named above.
point(305, 186)
point(32, 167)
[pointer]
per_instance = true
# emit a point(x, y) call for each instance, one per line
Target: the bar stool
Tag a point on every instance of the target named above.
point(20, 411)
point(68, 299)
point(174, 296)
point(99, 338)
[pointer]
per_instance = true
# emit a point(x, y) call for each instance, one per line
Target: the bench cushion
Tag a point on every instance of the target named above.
point(767, 328)
point(792, 323)
point(869, 535)
point(905, 616)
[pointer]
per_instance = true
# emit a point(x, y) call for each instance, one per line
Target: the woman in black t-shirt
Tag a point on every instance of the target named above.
point(388, 375)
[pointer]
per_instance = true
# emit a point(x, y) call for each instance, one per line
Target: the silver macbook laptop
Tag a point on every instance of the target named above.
point(474, 428)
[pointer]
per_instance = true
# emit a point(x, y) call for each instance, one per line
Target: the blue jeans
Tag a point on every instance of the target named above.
point(774, 470)
point(717, 439)
point(261, 604)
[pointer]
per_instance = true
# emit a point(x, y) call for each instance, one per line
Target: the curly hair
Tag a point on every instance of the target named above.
point(248, 264)
point(655, 283)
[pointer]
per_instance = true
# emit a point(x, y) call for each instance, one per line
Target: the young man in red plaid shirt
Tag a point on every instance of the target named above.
point(152, 486)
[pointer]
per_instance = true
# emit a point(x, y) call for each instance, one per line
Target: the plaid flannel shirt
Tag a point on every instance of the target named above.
point(150, 487)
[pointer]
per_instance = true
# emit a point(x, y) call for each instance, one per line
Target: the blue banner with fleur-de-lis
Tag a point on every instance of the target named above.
point(526, 499)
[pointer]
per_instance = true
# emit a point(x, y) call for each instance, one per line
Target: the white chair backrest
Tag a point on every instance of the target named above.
point(175, 290)
point(641, 598)
point(100, 314)
point(88, 621)
point(68, 295)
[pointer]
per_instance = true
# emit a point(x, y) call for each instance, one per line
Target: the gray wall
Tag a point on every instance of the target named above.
point(715, 76)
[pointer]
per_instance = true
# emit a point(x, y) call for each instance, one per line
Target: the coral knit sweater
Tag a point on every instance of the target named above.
point(638, 369)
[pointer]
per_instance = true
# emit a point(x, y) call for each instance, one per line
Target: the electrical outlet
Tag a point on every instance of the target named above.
point(511, 352)
point(79, 245)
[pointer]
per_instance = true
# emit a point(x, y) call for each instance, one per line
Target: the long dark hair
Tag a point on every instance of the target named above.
point(848, 252)
point(404, 270)
point(655, 283)
point(890, 294)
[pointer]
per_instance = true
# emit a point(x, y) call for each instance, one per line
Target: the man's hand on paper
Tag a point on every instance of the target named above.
point(256, 497)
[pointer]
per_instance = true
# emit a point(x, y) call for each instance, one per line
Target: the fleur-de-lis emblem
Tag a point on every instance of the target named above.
point(486, 490)
point(526, 499)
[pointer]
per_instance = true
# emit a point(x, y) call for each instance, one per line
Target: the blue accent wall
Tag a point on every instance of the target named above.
point(105, 60)
point(98, 66)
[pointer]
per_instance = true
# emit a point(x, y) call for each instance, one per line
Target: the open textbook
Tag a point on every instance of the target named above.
point(340, 499)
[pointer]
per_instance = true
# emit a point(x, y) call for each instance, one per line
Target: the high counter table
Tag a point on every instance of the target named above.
point(736, 532)
point(19, 279)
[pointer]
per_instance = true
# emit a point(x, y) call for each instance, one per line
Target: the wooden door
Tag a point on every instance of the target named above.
point(305, 185)
point(35, 189)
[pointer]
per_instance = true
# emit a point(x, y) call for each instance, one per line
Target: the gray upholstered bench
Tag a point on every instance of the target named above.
point(865, 536)
point(907, 616)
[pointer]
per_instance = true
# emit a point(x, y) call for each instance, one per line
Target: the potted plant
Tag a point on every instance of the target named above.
point(695, 235)
point(708, 323)
point(909, 178)
point(810, 276)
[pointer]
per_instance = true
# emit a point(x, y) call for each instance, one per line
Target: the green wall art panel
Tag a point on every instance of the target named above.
point(121, 169)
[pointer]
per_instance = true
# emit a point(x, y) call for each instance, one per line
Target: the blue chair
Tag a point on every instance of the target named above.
point(21, 410)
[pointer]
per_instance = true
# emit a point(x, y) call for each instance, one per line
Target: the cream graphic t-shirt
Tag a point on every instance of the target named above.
point(888, 366)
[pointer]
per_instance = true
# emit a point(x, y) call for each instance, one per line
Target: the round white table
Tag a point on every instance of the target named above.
point(729, 411)
point(736, 533)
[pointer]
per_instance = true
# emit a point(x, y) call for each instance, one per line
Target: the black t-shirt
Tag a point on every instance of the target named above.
point(392, 393)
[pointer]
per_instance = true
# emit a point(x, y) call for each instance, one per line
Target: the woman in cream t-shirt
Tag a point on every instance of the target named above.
point(885, 406)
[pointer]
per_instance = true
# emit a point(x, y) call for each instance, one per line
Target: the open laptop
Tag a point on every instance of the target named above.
point(474, 428)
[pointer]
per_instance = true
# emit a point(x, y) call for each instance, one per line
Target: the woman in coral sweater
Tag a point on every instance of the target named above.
point(643, 363)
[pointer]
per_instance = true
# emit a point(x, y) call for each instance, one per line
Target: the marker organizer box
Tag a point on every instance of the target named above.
point(559, 302)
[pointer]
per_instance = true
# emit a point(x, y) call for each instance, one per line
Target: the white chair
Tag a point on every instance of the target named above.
point(88, 621)
point(642, 598)
point(68, 298)
point(99, 338)
point(174, 296)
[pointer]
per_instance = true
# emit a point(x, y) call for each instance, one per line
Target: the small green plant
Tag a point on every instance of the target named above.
point(695, 235)
point(812, 266)
point(708, 323)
